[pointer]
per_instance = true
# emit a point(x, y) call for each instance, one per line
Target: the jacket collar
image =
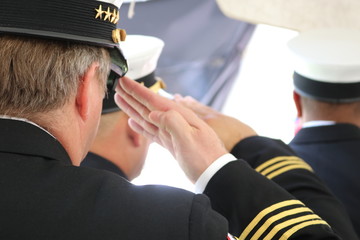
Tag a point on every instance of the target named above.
point(336, 132)
point(95, 161)
point(22, 137)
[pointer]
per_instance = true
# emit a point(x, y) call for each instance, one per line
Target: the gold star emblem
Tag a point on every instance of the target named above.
point(108, 14)
point(99, 12)
point(114, 17)
point(117, 18)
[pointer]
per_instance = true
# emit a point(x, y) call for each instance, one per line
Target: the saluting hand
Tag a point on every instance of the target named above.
point(189, 139)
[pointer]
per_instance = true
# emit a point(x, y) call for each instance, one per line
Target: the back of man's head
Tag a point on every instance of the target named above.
point(55, 62)
point(39, 76)
point(327, 73)
point(313, 110)
point(46, 48)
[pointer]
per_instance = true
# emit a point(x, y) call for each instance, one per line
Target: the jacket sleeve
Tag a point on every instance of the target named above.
point(257, 208)
point(204, 222)
point(276, 161)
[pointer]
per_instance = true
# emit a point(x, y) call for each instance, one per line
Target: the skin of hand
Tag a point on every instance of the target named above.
point(230, 130)
point(189, 139)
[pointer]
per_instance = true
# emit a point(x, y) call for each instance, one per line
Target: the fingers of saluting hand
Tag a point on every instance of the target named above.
point(200, 109)
point(135, 110)
point(175, 127)
point(138, 101)
point(141, 95)
point(160, 136)
point(152, 115)
point(171, 124)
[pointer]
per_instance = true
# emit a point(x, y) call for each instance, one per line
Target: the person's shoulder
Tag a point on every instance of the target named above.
point(158, 208)
point(112, 188)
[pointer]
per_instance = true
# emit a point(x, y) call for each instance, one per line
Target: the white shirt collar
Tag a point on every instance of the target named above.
point(317, 123)
point(25, 120)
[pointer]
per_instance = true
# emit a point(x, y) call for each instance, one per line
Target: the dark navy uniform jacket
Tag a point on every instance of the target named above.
point(95, 161)
point(44, 197)
point(277, 161)
point(334, 154)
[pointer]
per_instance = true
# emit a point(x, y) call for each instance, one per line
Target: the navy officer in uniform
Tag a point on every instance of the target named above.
point(327, 98)
point(56, 58)
point(117, 148)
point(288, 171)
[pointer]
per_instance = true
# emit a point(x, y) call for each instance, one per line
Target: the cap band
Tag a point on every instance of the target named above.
point(60, 19)
point(324, 91)
point(148, 80)
point(109, 104)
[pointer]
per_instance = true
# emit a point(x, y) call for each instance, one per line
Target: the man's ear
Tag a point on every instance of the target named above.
point(85, 90)
point(134, 137)
point(297, 100)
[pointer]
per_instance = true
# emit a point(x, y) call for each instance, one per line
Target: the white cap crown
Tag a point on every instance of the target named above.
point(117, 3)
point(327, 64)
point(142, 54)
point(329, 55)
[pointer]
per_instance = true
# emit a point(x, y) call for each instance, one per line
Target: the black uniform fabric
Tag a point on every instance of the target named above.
point(277, 162)
point(44, 197)
point(334, 154)
point(95, 161)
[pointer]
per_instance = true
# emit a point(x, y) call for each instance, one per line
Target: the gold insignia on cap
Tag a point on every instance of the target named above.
point(112, 17)
point(118, 35)
point(108, 14)
point(115, 17)
point(160, 84)
point(122, 34)
point(99, 12)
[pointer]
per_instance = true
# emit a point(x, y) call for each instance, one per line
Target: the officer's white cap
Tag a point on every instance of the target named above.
point(117, 3)
point(327, 64)
point(142, 54)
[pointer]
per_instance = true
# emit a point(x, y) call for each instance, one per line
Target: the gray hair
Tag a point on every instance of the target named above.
point(38, 76)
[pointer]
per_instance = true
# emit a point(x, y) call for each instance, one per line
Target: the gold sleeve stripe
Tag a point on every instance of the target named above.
point(285, 169)
point(279, 165)
point(266, 211)
point(296, 228)
point(275, 160)
point(277, 217)
point(298, 221)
